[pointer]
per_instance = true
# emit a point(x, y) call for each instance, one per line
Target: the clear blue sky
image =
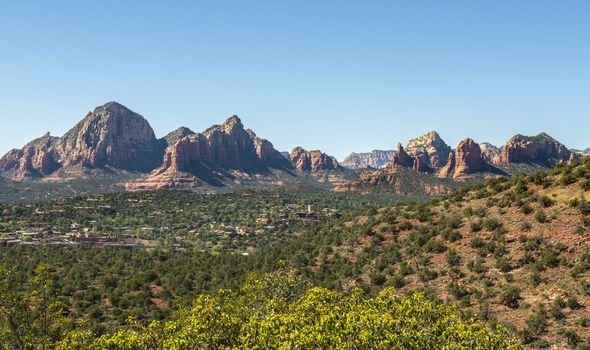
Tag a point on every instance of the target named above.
point(334, 75)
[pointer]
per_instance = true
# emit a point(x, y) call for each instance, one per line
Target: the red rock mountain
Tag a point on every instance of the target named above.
point(110, 136)
point(206, 157)
point(540, 150)
point(467, 159)
point(312, 161)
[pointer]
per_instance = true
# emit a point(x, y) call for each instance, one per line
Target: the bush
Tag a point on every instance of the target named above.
point(546, 201)
point(492, 224)
point(541, 216)
point(453, 258)
point(537, 322)
point(526, 209)
point(510, 297)
point(525, 226)
point(476, 226)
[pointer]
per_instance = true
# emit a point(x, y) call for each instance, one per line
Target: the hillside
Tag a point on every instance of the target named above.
point(515, 251)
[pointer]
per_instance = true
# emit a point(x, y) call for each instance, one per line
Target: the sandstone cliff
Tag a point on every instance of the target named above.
point(312, 161)
point(211, 156)
point(542, 150)
point(468, 159)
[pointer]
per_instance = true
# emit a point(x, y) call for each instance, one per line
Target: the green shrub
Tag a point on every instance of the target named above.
point(541, 216)
point(510, 297)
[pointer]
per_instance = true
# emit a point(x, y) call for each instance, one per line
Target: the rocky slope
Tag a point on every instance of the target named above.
point(540, 150)
point(111, 136)
point(398, 180)
point(511, 250)
point(312, 161)
point(217, 154)
point(375, 159)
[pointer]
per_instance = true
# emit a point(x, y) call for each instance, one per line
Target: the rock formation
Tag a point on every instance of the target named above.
point(491, 154)
point(432, 147)
point(401, 158)
point(110, 136)
point(542, 150)
point(375, 159)
point(312, 161)
point(447, 170)
point(202, 158)
point(420, 163)
point(174, 136)
point(33, 160)
point(468, 159)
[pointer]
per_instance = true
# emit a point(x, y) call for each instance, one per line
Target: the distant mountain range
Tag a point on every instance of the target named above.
point(113, 139)
point(375, 159)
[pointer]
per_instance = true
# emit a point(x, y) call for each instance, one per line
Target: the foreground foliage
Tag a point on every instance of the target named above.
point(274, 311)
point(270, 311)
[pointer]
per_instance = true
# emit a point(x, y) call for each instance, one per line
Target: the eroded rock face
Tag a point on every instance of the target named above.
point(376, 159)
point(402, 158)
point(312, 161)
point(110, 136)
point(36, 159)
point(200, 158)
point(540, 150)
point(421, 163)
point(434, 150)
point(468, 159)
point(448, 169)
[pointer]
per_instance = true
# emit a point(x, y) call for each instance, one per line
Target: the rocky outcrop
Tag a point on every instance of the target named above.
point(312, 161)
point(110, 136)
point(468, 159)
point(375, 159)
point(542, 150)
point(421, 163)
point(401, 158)
point(434, 150)
point(208, 157)
point(36, 159)
point(491, 154)
point(447, 170)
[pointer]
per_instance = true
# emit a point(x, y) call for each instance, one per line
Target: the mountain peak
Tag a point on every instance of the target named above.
point(433, 149)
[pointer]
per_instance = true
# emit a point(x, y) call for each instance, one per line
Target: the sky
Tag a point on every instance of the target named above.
point(339, 76)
